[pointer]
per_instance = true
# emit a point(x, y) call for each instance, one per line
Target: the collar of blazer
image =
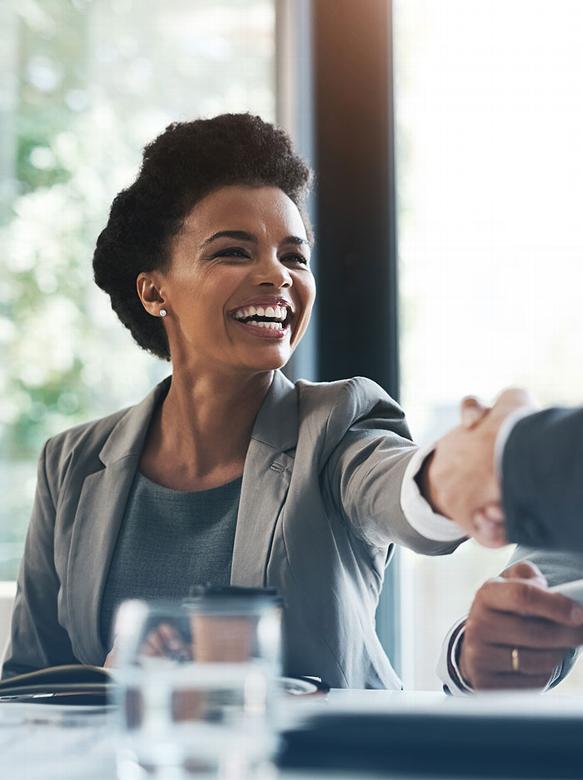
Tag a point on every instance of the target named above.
point(276, 424)
point(104, 494)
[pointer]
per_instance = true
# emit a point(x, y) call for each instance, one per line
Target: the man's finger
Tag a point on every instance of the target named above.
point(496, 682)
point(472, 410)
point(507, 630)
point(494, 658)
point(528, 598)
point(489, 533)
point(512, 399)
point(494, 512)
point(525, 570)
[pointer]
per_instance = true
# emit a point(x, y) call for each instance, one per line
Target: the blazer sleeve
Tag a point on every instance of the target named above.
point(37, 640)
point(365, 470)
point(542, 480)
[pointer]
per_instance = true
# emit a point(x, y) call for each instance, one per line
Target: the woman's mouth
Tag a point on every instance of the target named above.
point(265, 330)
point(266, 322)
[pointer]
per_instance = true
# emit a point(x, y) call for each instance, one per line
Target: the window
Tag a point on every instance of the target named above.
point(84, 85)
point(489, 106)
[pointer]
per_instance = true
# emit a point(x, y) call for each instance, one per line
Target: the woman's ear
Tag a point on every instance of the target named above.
point(149, 293)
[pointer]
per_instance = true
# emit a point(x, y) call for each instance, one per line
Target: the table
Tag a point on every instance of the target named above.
point(66, 745)
point(53, 743)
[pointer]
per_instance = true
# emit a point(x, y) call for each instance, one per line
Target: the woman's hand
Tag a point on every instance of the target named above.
point(518, 631)
point(162, 642)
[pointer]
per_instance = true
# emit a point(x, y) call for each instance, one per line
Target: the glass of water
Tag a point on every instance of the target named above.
point(198, 685)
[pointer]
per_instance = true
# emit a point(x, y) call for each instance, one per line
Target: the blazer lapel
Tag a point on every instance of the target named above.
point(266, 479)
point(97, 521)
point(104, 496)
point(98, 517)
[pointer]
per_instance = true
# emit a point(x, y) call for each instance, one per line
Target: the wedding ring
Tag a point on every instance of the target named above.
point(515, 660)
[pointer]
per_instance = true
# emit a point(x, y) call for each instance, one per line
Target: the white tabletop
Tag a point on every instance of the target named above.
point(45, 742)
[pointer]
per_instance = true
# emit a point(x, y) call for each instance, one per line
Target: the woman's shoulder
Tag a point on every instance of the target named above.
point(85, 441)
point(121, 429)
point(352, 396)
point(336, 406)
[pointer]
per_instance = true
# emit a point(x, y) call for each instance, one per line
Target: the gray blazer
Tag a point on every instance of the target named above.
point(318, 516)
point(542, 485)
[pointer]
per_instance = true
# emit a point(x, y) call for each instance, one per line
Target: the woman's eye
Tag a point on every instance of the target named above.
point(233, 251)
point(295, 258)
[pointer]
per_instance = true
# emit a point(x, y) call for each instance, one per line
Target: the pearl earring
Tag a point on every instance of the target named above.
point(163, 312)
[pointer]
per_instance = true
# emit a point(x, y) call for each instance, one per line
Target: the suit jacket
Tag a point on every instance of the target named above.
point(542, 480)
point(318, 516)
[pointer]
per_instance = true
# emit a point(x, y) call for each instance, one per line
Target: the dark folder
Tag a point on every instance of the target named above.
point(69, 684)
point(438, 744)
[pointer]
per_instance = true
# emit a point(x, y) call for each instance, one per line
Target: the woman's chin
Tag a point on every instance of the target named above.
point(269, 362)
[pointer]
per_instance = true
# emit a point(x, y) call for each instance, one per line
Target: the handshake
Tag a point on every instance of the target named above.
point(461, 478)
point(512, 473)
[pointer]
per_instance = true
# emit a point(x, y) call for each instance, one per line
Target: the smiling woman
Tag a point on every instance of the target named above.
point(257, 263)
point(226, 472)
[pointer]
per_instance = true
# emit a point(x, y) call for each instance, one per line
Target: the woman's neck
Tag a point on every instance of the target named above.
point(200, 436)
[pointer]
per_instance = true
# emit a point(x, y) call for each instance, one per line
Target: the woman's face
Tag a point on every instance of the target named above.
point(239, 290)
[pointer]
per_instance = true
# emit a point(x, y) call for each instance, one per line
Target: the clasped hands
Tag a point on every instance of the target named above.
point(517, 631)
point(459, 478)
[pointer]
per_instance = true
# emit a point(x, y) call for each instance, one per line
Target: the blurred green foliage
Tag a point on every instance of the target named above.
point(44, 233)
point(86, 84)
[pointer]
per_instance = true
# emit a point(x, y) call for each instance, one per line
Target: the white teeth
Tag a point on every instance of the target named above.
point(268, 325)
point(274, 312)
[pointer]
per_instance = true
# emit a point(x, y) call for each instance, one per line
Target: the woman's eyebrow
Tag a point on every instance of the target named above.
point(296, 240)
point(243, 235)
point(239, 235)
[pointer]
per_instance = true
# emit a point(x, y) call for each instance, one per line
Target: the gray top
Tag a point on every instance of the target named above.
point(170, 540)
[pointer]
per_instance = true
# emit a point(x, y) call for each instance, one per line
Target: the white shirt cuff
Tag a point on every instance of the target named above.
point(418, 511)
point(448, 670)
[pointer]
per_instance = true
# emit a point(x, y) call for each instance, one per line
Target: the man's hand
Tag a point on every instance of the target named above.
point(459, 479)
point(518, 631)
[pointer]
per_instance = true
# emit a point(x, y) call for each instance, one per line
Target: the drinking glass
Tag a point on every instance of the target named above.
point(198, 686)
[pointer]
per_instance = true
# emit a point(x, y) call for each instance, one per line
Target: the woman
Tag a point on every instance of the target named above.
point(226, 472)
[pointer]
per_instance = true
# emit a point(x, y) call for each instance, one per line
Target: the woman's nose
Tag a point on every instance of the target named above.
point(270, 271)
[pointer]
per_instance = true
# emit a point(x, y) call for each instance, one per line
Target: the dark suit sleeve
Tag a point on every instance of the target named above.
point(37, 640)
point(542, 480)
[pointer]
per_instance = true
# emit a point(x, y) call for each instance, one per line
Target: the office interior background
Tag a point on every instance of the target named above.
point(446, 136)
